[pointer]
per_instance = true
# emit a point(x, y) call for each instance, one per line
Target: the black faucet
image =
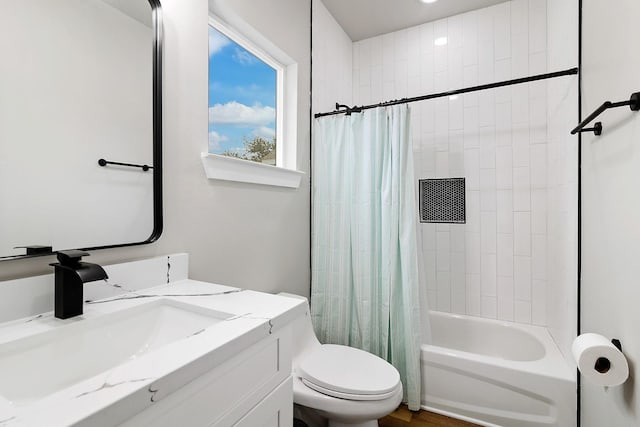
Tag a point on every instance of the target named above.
point(70, 276)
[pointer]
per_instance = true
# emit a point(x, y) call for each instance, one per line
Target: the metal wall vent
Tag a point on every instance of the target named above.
point(442, 200)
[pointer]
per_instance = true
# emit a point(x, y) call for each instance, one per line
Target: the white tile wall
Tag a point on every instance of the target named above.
point(495, 265)
point(557, 213)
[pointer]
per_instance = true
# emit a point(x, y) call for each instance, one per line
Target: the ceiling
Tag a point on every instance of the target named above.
point(140, 10)
point(362, 19)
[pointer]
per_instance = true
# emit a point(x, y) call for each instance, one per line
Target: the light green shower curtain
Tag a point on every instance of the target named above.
point(364, 289)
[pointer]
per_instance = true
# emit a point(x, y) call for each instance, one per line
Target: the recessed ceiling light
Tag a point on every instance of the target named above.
point(428, 1)
point(453, 97)
point(440, 41)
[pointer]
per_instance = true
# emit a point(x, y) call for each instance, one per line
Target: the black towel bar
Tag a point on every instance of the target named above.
point(103, 162)
point(633, 103)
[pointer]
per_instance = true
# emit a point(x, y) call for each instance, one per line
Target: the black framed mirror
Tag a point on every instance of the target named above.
point(80, 114)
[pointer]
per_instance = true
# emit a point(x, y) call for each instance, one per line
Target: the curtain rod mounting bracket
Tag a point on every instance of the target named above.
point(348, 110)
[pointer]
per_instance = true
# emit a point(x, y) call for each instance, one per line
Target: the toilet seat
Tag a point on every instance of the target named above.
point(347, 396)
point(348, 373)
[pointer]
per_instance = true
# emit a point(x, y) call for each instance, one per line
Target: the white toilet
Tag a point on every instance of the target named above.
point(347, 386)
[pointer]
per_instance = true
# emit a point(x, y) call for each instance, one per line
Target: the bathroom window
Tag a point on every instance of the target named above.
point(243, 98)
point(253, 108)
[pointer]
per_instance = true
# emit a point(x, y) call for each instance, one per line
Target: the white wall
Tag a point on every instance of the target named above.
point(610, 203)
point(494, 265)
point(240, 234)
point(332, 61)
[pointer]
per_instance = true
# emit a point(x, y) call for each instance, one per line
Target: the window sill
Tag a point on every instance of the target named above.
point(231, 169)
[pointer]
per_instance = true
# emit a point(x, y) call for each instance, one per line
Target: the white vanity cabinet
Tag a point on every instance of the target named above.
point(253, 388)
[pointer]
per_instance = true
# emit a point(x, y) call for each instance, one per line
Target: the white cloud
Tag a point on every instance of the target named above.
point(215, 139)
point(234, 113)
point(217, 42)
point(264, 132)
point(243, 57)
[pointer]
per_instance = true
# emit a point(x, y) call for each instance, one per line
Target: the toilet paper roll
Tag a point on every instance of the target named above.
point(599, 360)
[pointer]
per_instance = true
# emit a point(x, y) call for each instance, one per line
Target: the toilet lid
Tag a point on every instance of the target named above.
point(348, 373)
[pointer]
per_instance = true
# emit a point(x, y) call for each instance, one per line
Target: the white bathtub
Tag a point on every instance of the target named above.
point(496, 373)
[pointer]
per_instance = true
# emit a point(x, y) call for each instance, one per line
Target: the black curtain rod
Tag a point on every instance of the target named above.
point(356, 109)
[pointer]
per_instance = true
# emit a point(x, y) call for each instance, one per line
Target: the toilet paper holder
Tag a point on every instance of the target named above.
point(600, 359)
point(616, 342)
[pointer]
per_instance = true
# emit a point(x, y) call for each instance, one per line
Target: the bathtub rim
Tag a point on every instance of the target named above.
point(553, 364)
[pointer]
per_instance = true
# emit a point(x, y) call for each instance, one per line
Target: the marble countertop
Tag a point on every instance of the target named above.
point(138, 383)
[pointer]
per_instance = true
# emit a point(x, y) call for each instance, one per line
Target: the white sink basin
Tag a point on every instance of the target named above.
point(34, 367)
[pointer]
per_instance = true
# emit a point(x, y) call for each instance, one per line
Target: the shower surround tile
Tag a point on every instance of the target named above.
point(518, 132)
point(494, 265)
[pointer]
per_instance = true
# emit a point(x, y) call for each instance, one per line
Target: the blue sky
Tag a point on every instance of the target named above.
point(242, 95)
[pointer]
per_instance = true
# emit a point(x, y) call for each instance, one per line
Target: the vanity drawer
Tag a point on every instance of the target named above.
point(224, 395)
point(276, 410)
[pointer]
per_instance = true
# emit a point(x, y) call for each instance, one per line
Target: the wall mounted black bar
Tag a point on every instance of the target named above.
point(356, 109)
point(103, 162)
point(633, 103)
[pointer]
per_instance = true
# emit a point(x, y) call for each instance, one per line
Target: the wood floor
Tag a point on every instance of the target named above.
point(402, 417)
